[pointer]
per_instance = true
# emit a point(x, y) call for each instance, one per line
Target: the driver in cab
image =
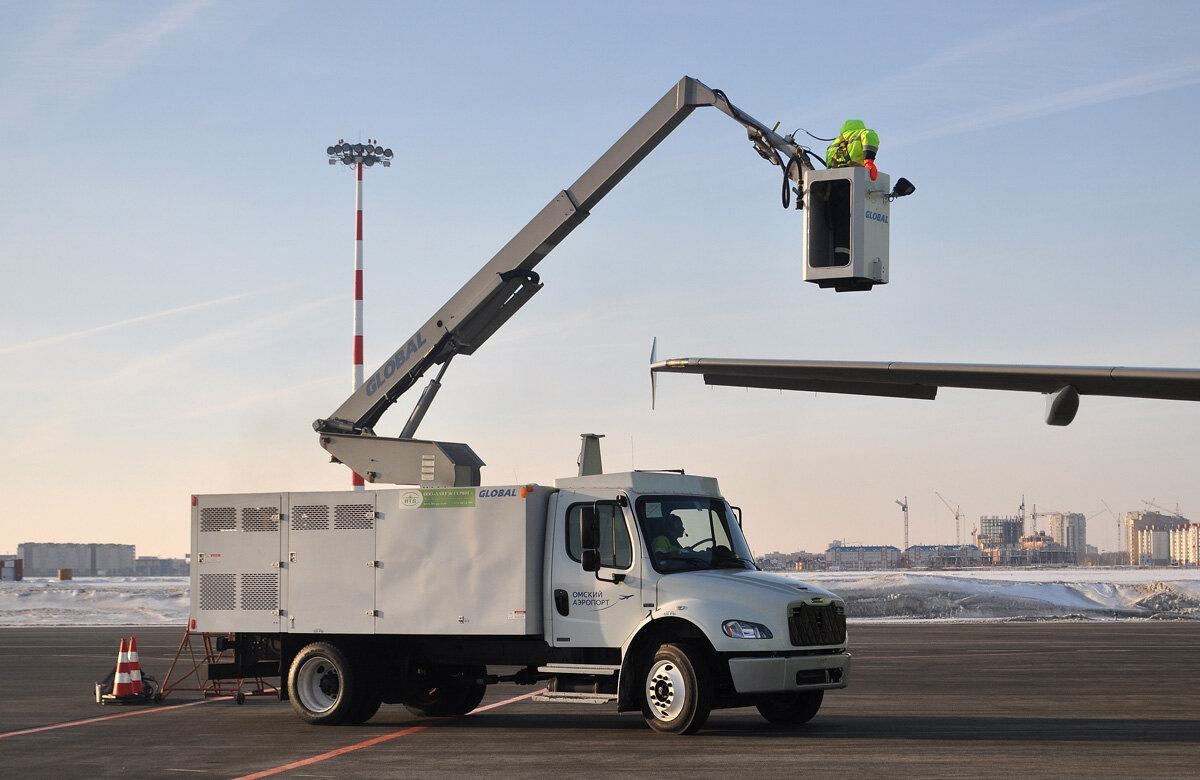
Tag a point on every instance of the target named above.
point(670, 530)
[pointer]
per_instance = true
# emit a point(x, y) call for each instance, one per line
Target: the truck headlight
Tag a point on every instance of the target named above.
point(744, 629)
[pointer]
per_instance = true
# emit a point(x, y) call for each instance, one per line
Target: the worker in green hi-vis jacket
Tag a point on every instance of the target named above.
point(855, 145)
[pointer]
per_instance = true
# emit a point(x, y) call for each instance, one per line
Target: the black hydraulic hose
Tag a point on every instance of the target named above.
point(817, 137)
point(787, 182)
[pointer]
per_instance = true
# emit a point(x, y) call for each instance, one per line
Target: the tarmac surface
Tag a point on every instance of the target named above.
point(1087, 699)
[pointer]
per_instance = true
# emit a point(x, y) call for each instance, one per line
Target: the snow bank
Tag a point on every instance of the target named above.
point(95, 601)
point(979, 594)
point(1015, 594)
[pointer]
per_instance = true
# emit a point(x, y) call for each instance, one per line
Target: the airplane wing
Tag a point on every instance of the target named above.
point(1064, 384)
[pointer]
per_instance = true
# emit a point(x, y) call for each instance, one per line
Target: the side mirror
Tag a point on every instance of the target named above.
point(737, 512)
point(589, 538)
point(589, 528)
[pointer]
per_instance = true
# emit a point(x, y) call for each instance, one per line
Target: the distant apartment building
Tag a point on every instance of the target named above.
point(796, 561)
point(941, 556)
point(861, 557)
point(1070, 531)
point(1184, 543)
point(1140, 538)
point(44, 559)
point(1152, 547)
point(151, 566)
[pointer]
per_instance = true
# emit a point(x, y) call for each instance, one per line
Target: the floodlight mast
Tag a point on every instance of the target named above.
point(358, 155)
point(503, 286)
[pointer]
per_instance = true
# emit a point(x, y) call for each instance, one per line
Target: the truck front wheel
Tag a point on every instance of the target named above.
point(322, 684)
point(792, 709)
point(677, 690)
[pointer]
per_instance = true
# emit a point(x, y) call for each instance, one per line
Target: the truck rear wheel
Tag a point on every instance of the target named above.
point(792, 709)
point(443, 692)
point(677, 690)
point(322, 685)
point(365, 706)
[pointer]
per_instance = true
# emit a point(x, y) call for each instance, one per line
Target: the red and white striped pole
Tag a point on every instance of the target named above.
point(358, 155)
point(355, 479)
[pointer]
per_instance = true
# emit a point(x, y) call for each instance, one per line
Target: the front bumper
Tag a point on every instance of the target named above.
point(790, 673)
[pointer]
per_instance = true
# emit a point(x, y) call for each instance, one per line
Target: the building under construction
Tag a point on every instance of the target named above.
point(1148, 536)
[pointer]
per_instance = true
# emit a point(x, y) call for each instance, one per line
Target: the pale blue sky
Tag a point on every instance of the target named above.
point(177, 255)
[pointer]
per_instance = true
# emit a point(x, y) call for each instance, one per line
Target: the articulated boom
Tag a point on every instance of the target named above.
point(494, 294)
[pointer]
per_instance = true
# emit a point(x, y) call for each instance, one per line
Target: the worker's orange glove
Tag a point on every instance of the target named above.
point(870, 166)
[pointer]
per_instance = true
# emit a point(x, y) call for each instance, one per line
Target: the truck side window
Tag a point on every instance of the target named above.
point(616, 549)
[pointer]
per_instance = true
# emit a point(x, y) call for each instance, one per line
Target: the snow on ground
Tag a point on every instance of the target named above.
point(1015, 594)
point(976, 594)
point(95, 601)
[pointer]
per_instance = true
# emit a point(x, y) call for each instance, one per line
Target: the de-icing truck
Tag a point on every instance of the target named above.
point(637, 588)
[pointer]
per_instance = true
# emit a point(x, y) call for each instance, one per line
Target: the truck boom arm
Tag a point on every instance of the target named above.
point(508, 280)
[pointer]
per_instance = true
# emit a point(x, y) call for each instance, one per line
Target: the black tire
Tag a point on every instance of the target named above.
point(366, 706)
point(792, 709)
point(322, 685)
point(442, 692)
point(676, 690)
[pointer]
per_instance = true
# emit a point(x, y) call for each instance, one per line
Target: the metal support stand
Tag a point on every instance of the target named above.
point(199, 682)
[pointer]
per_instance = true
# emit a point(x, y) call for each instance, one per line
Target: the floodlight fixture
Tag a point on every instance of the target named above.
point(368, 153)
point(902, 188)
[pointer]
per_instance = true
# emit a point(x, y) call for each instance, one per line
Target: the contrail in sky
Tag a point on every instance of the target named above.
point(123, 323)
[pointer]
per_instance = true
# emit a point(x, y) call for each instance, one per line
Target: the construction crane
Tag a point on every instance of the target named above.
point(957, 512)
point(904, 506)
point(1151, 505)
point(1033, 529)
point(1116, 517)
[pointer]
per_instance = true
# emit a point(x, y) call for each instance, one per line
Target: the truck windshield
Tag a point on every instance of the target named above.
point(690, 533)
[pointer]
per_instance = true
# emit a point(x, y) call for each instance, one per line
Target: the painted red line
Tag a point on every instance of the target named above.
point(111, 717)
point(507, 701)
point(372, 742)
point(333, 753)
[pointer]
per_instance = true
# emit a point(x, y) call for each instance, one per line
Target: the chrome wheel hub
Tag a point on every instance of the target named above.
point(666, 690)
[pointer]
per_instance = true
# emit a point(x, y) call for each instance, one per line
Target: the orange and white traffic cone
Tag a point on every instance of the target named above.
point(135, 669)
point(122, 681)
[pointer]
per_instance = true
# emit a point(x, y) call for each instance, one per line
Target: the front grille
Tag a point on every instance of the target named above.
point(817, 625)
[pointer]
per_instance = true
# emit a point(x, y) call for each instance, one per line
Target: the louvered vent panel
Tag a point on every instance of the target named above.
point(260, 518)
point(217, 518)
point(260, 592)
point(354, 517)
point(310, 518)
point(218, 591)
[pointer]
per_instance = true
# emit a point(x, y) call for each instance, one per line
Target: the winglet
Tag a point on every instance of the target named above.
point(653, 376)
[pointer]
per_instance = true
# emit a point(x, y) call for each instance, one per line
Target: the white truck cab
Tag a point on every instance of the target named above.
point(667, 564)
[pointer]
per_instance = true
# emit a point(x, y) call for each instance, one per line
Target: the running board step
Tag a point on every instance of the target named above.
point(603, 670)
point(569, 697)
